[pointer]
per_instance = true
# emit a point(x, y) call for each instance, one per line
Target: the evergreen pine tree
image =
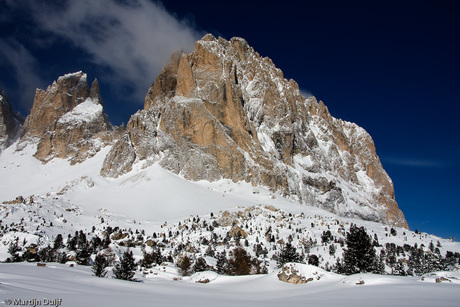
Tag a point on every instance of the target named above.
point(61, 257)
point(379, 266)
point(14, 250)
point(200, 265)
point(288, 254)
point(99, 266)
point(393, 231)
point(150, 259)
point(415, 261)
point(332, 249)
point(125, 268)
point(313, 260)
point(221, 266)
point(58, 242)
point(326, 237)
point(210, 251)
point(184, 264)
point(399, 269)
point(433, 262)
point(96, 244)
point(240, 263)
point(46, 254)
point(71, 243)
point(81, 240)
point(83, 255)
point(376, 240)
point(450, 261)
point(359, 256)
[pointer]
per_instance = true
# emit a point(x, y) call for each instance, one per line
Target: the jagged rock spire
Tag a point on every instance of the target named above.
point(68, 120)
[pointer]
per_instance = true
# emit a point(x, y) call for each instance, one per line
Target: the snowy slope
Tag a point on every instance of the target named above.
point(76, 287)
point(58, 198)
point(150, 194)
point(76, 197)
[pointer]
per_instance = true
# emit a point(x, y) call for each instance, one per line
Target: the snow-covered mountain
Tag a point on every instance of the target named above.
point(67, 120)
point(154, 209)
point(223, 111)
point(227, 155)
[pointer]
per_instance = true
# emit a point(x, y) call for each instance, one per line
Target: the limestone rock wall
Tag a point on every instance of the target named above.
point(68, 120)
point(223, 111)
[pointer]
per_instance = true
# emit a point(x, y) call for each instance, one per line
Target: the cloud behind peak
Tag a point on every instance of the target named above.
point(134, 38)
point(129, 40)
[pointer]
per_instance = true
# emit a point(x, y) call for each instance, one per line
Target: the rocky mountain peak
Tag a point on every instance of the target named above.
point(68, 120)
point(10, 122)
point(59, 98)
point(223, 111)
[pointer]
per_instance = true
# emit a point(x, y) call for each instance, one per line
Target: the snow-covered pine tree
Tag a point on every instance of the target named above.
point(14, 250)
point(359, 256)
point(379, 266)
point(185, 264)
point(326, 237)
point(125, 268)
point(99, 265)
point(200, 265)
point(399, 269)
point(58, 242)
point(46, 254)
point(288, 254)
point(83, 255)
point(239, 263)
point(415, 261)
point(313, 260)
point(221, 266)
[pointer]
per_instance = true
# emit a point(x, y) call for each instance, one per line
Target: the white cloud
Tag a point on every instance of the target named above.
point(414, 162)
point(133, 38)
point(305, 93)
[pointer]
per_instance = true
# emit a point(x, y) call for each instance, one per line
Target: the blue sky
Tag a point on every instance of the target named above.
point(392, 67)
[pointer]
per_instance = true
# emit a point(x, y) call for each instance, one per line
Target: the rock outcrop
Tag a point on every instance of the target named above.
point(68, 120)
point(289, 274)
point(297, 273)
point(223, 111)
point(10, 123)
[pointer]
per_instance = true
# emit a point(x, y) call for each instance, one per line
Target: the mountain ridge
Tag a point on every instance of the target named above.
point(222, 112)
point(67, 119)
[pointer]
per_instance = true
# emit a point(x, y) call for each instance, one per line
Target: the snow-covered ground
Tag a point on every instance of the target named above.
point(75, 286)
point(61, 199)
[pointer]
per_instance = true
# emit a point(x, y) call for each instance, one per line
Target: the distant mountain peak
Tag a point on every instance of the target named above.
point(10, 122)
point(68, 120)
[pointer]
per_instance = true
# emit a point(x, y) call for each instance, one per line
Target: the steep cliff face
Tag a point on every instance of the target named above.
point(223, 111)
point(10, 123)
point(68, 119)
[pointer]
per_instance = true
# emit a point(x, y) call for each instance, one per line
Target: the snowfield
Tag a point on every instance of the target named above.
point(39, 201)
point(77, 287)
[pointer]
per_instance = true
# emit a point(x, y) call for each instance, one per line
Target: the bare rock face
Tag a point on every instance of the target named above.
point(223, 111)
point(68, 119)
point(296, 273)
point(289, 274)
point(10, 123)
